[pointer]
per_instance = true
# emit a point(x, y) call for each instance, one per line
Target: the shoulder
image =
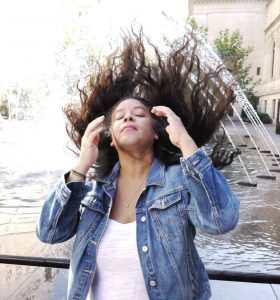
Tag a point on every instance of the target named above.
point(171, 170)
point(174, 177)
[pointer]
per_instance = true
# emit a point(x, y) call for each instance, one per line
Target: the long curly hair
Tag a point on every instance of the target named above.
point(174, 79)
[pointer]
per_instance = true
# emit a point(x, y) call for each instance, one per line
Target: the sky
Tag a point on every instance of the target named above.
point(31, 30)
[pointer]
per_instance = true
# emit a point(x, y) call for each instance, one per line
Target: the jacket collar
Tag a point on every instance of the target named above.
point(156, 173)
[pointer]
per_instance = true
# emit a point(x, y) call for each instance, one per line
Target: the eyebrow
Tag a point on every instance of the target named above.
point(135, 107)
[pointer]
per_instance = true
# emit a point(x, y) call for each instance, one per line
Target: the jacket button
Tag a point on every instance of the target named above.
point(195, 162)
point(153, 283)
point(144, 248)
point(143, 219)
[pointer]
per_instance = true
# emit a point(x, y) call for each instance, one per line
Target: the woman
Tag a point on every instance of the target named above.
point(140, 128)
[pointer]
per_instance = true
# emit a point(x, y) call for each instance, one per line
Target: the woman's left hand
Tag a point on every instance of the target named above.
point(178, 135)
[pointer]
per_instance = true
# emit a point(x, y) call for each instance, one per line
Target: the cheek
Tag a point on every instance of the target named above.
point(115, 131)
point(113, 128)
point(150, 128)
point(150, 133)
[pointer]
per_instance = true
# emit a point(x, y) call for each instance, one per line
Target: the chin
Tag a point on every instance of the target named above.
point(134, 145)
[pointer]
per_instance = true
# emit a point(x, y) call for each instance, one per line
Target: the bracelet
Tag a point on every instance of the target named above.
point(78, 174)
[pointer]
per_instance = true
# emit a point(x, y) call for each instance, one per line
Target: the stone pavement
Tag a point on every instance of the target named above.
point(229, 290)
point(271, 128)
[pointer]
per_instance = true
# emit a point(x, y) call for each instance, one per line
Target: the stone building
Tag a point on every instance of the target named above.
point(269, 90)
point(259, 23)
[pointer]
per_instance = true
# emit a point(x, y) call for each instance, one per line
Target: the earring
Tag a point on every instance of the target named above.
point(156, 137)
point(112, 144)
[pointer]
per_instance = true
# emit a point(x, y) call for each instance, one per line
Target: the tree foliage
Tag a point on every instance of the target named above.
point(230, 47)
point(202, 29)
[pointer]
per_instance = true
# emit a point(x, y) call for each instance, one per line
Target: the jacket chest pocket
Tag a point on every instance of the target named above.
point(169, 216)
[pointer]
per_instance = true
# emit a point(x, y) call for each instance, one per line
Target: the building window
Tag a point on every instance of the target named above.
point(273, 108)
point(258, 71)
point(278, 111)
point(265, 106)
point(273, 57)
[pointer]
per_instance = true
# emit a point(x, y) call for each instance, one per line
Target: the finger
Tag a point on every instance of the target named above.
point(95, 136)
point(167, 128)
point(93, 125)
point(96, 123)
point(87, 140)
point(162, 111)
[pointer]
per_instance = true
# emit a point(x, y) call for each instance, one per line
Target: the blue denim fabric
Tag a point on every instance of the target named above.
point(177, 199)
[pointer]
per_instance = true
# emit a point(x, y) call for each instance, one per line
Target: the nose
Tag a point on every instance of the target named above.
point(128, 117)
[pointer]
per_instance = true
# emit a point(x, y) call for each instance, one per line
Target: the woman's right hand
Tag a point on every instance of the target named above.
point(89, 145)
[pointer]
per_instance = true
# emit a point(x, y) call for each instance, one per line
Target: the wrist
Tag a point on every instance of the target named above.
point(73, 172)
point(188, 147)
point(77, 173)
point(81, 168)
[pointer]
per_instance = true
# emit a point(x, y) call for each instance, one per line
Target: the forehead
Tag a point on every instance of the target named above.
point(130, 104)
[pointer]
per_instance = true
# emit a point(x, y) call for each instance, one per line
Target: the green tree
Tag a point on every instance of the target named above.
point(230, 47)
point(190, 21)
point(202, 29)
point(4, 109)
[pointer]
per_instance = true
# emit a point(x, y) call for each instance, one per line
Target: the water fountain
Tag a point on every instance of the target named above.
point(209, 58)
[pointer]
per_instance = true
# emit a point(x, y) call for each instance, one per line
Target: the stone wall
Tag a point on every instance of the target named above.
point(269, 90)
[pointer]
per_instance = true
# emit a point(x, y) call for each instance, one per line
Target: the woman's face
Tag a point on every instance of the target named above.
point(132, 126)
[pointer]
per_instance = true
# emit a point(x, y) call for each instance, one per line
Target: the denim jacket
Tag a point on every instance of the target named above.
point(176, 199)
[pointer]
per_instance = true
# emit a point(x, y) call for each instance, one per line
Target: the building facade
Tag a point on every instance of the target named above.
point(259, 23)
point(269, 90)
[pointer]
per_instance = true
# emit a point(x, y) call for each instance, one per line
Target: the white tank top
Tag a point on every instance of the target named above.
point(119, 275)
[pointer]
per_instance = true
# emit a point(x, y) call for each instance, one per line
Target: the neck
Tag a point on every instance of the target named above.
point(135, 166)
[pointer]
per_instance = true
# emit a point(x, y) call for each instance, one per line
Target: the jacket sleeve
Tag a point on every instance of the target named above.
point(213, 207)
point(59, 216)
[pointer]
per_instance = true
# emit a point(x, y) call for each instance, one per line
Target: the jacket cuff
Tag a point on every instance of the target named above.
point(64, 190)
point(196, 163)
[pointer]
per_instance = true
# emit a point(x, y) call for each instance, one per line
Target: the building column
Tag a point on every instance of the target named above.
point(265, 60)
point(277, 66)
point(276, 54)
point(268, 58)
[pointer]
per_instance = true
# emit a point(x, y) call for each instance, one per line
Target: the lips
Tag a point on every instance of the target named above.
point(129, 127)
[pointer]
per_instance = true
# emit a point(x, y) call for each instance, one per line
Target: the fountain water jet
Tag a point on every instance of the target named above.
point(243, 144)
point(209, 58)
point(250, 183)
point(256, 147)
